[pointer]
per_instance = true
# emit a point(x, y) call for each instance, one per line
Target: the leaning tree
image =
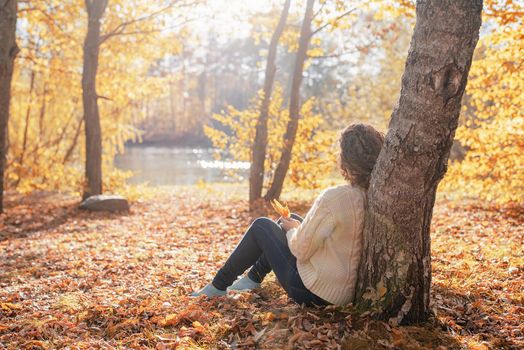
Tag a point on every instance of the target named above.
point(294, 104)
point(258, 151)
point(8, 51)
point(395, 269)
point(306, 35)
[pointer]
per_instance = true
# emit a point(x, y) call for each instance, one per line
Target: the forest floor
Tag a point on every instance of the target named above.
point(79, 280)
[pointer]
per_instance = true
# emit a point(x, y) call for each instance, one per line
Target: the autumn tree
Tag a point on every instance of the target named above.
point(306, 35)
point(8, 52)
point(395, 269)
point(294, 104)
point(46, 127)
point(94, 39)
point(492, 126)
point(312, 150)
point(95, 11)
point(301, 46)
point(256, 178)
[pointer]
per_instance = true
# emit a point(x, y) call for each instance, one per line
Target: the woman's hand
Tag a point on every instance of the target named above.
point(288, 224)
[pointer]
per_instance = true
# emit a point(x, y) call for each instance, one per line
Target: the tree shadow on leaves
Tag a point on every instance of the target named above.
point(26, 214)
point(476, 315)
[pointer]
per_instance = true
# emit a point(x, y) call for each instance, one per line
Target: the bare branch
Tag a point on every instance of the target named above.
point(343, 53)
point(332, 21)
point(153, 31)
point(27, 9)
point(120, 29)
point(74, 143)
point(319, 9)
point(56, 24)
point(36, 63)
point(335, 55)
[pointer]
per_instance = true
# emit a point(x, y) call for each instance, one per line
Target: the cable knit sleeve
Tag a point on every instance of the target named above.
point(318, 224)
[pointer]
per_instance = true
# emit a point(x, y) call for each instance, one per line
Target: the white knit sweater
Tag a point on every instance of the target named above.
point(328, 243)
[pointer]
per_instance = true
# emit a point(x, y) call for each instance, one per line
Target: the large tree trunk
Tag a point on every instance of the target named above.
point(256, 178)
point(95, 11)
point(294, 105)
point(8, 51)
point(395, 270)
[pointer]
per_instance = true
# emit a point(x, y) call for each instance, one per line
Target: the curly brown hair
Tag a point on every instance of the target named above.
point(360, 145)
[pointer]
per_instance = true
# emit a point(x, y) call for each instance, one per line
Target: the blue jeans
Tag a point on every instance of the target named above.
point(264, 248)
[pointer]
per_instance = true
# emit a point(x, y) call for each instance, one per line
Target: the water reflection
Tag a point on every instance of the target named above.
point(220, 164)
point(178, 166)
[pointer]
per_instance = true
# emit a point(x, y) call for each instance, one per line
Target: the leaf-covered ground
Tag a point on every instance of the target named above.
point(78, 280)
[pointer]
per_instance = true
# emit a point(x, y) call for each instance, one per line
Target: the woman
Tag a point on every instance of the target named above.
point(315, 260)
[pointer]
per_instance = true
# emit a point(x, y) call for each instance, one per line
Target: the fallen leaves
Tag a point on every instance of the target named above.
point(193, 314)
point(8, 308)
point(94, 280)
point(478, 258)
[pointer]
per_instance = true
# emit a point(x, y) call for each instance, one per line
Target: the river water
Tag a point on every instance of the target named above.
point(178, 166)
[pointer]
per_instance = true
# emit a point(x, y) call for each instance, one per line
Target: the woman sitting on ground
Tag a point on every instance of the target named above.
point(315, 259)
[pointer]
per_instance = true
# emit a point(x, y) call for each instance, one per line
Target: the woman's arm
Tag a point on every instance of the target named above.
point(318, 224)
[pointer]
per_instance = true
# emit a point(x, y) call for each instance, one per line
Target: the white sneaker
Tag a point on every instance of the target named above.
point(210, 290)
point(244, 284)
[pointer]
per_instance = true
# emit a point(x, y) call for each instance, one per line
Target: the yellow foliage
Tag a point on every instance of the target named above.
point(493, 115)
point(313, 153)
point(46, 136)
point(395, 9)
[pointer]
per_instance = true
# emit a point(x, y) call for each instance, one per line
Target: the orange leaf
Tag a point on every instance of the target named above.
point(281, 209)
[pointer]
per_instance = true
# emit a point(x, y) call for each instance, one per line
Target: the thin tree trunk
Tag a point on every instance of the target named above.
point(71, 148)
point(26, 127)
point(41, 118)
point(8, 52)
point(256, 178)
point(95, 11)
point(294, 105)
point(42, 147)
point(42, 113)
point(62, 134)
point(395, 270)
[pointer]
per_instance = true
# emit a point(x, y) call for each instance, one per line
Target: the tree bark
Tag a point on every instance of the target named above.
point(256, 178)
point(395, 269)
point(8, 52)
point(95, 11)
point(294, 105)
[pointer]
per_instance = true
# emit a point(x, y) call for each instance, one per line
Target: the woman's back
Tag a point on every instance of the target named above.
point(329, 242)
